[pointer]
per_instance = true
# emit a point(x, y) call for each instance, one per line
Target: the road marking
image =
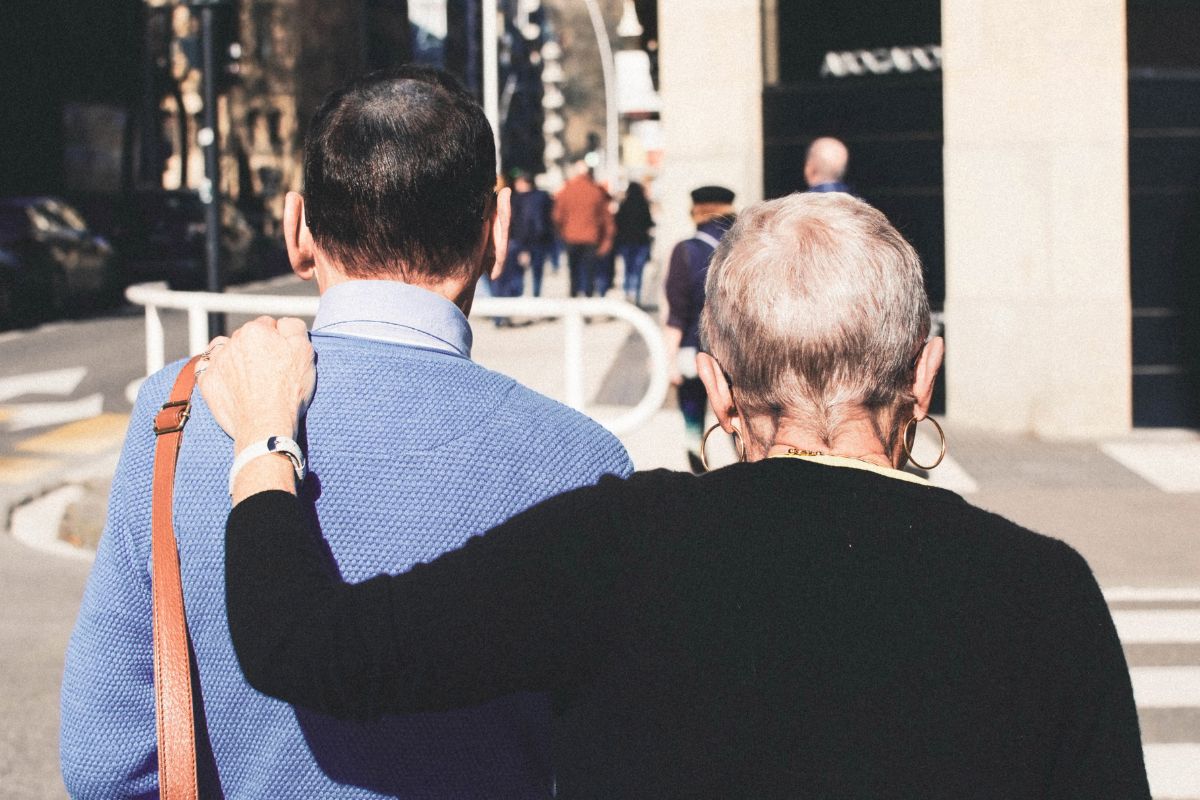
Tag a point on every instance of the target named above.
point(84, 437)
point(1166, 687)
point(15, 470)
point(1158, 626)
point(59, 382)
point(23, 416)
point(1170, 466)
point(36, 524)
point(1174, 770)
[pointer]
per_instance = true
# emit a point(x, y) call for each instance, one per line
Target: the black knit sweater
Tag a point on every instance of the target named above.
point(782, 629)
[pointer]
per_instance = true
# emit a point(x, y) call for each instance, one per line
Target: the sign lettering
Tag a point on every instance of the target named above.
point(882, 61)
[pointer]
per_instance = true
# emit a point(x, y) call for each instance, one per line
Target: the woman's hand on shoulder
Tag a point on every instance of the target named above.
point(259, 381)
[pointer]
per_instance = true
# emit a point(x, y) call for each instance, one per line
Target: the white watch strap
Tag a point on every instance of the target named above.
point(282, 445)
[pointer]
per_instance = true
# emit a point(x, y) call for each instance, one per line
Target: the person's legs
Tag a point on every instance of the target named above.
point(556, 254)
point(510, 278)
point(605, 267)
point(625, 251)
point(575, 258)
point(537, 267)
point(692, 402)
point(514, 276)
point(635, 257)
point(582, 260)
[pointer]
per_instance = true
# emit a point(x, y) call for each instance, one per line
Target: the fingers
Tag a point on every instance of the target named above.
point(217, 342)
point(291, 326)
point(203, 363)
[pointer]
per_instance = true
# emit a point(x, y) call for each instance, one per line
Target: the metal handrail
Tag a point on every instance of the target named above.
point(573, 311)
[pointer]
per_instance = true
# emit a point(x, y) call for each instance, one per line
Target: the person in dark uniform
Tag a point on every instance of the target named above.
point(712, 211)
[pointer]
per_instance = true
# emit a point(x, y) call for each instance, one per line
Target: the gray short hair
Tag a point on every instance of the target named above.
point(816, 309)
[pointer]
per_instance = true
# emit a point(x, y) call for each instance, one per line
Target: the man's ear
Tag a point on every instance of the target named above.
point(720, 397)
point(928, 365)
point(298, 237)
point(501, 217)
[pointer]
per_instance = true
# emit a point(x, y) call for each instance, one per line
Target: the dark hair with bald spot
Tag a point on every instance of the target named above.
point(399, 175)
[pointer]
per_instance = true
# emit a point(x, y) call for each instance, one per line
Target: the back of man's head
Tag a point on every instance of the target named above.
point(580, 169)
point(826, 161)
point(399, 175)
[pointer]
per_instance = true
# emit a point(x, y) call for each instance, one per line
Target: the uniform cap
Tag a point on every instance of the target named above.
point(712, 194)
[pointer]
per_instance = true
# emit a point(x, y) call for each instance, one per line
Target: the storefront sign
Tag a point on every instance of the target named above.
point(882, 61)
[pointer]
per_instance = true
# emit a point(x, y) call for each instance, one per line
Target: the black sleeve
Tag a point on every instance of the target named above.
point(528, 606)
point(1099, 744)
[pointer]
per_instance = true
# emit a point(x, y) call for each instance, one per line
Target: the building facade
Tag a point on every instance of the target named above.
point(1044, 158)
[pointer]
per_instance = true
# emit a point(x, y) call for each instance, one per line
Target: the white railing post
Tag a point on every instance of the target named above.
point(197, 329)
point(573, 357)
point(156, 345)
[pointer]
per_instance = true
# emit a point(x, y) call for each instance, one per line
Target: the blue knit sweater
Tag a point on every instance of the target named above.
point(410, 453)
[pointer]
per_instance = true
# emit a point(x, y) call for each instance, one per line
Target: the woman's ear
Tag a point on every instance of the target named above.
point(928, 365)
point(720, 395)
point(297, 237)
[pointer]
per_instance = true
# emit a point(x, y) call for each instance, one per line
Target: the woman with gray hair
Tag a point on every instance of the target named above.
point(813, 622)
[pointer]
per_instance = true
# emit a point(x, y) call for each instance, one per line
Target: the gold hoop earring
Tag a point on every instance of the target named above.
point(910, 432)
point(738, 445)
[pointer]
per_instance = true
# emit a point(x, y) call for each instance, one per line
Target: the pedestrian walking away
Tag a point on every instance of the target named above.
point(396, 243)
point(712, 213)
point(530, 237)
point(813, 622)
point(585, 226)
point(825, 165)
point(632, 241)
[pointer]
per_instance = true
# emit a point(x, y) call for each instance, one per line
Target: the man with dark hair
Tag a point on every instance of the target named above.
point(398, 220)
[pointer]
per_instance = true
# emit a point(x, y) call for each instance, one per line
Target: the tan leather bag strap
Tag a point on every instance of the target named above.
point(172, 662)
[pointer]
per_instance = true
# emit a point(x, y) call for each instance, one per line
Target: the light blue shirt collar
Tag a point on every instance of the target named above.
point(390, 311)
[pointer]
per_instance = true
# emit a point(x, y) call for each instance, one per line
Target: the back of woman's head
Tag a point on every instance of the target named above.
point(816, 308)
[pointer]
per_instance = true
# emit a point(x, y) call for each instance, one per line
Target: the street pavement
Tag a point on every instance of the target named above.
point(1130, 505)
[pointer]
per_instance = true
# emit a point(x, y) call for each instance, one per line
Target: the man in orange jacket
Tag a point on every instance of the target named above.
point(585, 224)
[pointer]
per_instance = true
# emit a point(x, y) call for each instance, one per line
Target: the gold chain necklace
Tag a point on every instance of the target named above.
point(796, 452)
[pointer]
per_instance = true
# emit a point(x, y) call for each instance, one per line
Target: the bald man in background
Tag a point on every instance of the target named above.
point(825, 165)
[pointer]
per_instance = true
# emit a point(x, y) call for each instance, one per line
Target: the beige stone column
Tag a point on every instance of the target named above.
point(1037, 216)
point(710, 77)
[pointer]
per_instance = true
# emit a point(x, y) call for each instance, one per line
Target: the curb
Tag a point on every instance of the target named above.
point(15, 498)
